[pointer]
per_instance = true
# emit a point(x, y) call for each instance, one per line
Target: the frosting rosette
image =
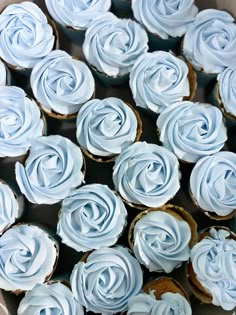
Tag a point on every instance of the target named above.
point(213, 183)
point(112, 45)
point(52, 169)
point(210, 42)
point(77, 14)
point(106, 281)
point(146, 174)
point(170, 18)
point(106, 127)
point(158, 80)
point(25, 35)
point(91, 217)
point(20, 121)
point(49, 298)
point(213, 261)
point(227, 90)
point(27, 256)
point(61, 83)
point(192, 130)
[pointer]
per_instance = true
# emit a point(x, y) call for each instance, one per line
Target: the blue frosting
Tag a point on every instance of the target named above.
point(227, 90)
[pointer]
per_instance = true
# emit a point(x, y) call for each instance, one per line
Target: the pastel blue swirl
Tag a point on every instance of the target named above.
point(61, 83)
point(146, 174)
point(192, 130)
point(106, 127)
point(227, 90)
point(210, 42)
point(107, 280)
point(25, 35)
point(91, 217)
point(112, 45)
point(51, 171)
point(158, 80)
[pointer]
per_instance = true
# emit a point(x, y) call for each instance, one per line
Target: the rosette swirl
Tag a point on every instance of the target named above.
point(105, 282)
point(146, 174)
point(61, 83)
point(91, 217)
point(213, 183)
point(112, 45)
point(3, 74)
point(50, 299)
point(210, 42)
point(51, 171)
point(165, 18)
point(77, 14)
point(192, 130)
point(27, 257)
point(25, 35)
point(213, 260)
point(106, 127)
point(20, 121)
point(227, 90)
point(158, 80)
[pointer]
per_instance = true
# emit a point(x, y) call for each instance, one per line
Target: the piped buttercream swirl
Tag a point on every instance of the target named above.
point(227, 90)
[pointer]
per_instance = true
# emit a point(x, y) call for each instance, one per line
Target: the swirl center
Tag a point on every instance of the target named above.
point(9, 125)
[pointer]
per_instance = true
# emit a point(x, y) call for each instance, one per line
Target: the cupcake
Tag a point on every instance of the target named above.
point(52, 169)
point(192, 130)
point(91, 217)
point(211, 270)
point(161, 238)
point(28, 256)
point(213, 185)
point(106, 127)
point(25, 34)
point(160, 79)
point(50, 298)
point(165, 21)
point(105, 281)
point(5, 76)
point(62, 84)
point(146, 175)
point(122, 8)
point(21, 121)
point(112, 46)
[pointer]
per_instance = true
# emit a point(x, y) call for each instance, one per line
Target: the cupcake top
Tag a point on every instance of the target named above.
point(213, 183)
point(165, 18)
point(106, 127)
point(227, 90)
point(27, 257)
point(77, 14)
point(49, 298)
point(112, 45)
point(106, 281)
point(146, 174)
point(21, 121)
point(3, 74)
point(61, 83)
point(192, 130)
point(91, 217)
point(158, 80)
point(210, 42)
point(25, 35)
point(51, 170)
point(213, 261)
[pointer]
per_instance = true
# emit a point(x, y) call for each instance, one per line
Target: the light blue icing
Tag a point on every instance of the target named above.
point(213, 183)
point(227, 90)
point(20, 121)
point(106, 127)
point(165, 18)
point(91, 217)
point(61, 83)
point(3, 74)
point(27, 257)
point(77, 14)
point(104, 283)
point(112, 45)
point(51, 171)
point(25, 35)
point(210, 43)
point(158, 80)
point(49, 299)
point(146, 174)
point(213, 260)
point(192, 130)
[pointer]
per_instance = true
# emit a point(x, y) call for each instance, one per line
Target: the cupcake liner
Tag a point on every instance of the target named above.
point(109, 81)
point(192, 78)
point(122, 8)
point(157, 43)
point(75, 36)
